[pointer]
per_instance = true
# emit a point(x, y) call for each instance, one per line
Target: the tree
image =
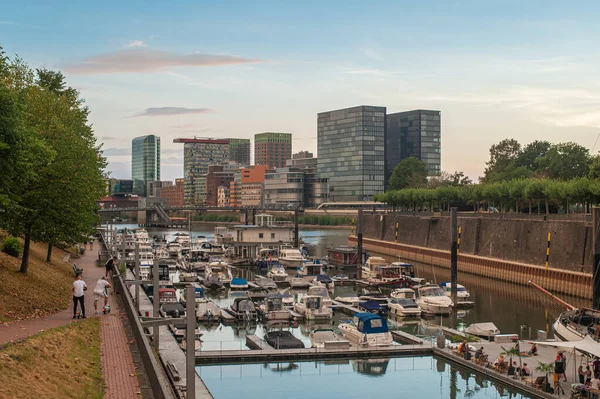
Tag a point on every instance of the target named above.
point(502, 156)
point(531, 154)
point(411, 172)
point(594, 172)
point(565, 161)
point(449, 179)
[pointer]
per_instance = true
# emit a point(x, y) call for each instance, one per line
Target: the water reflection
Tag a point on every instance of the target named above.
point(403, 377)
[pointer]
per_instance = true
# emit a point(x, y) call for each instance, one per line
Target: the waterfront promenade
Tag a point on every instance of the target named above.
point(118, 369)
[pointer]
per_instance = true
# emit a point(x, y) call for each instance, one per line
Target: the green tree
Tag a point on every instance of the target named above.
point(502, 158)
point(565, 161)
point(594, 170)
point(410, 173)
point(532, 153)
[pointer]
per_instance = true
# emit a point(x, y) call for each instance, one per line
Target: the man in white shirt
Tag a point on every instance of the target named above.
point(78, 289)
point(595, 383)
point(100, 292)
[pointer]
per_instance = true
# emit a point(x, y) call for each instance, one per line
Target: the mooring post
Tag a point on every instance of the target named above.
point(137, 277)
point(359, 234)
point(453, 256)
point(296, 233)
point(596, 266)
point(124, 244)
point(155, 301)
point(190, 344)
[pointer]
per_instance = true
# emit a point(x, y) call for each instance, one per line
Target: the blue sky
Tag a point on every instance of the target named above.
point(518, 69)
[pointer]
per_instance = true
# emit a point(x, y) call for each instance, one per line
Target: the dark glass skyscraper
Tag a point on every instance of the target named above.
point(239, 151)
point(350, 149)
point(145, 162)
point(414, 134)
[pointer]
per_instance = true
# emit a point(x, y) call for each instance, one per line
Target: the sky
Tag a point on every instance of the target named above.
point(504, 69)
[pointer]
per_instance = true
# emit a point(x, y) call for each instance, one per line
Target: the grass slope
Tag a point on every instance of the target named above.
point(45, 289)
point(60, 363)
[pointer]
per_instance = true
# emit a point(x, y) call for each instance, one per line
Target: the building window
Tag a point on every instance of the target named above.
point(272, 235)
point(260, 235)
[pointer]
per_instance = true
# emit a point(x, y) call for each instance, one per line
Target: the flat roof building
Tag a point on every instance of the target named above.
point(272, 149)
point(145, 162)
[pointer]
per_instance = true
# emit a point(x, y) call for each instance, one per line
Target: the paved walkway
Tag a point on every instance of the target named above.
point(117, 363)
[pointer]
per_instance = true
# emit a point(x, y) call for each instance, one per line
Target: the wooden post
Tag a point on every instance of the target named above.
point(155, 302)
point(190, 336)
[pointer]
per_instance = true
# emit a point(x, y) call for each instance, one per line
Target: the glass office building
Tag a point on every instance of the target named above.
point(414, 134)
point(351, 154)
point(239, 151)
point(145, 162)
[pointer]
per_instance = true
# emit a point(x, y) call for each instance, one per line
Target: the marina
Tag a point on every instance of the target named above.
point(236, 326)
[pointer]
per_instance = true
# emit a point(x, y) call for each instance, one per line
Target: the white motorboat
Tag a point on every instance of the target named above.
point(349, 298)
point(485, 330)
point(243, 309)
point(433, 300)
point(212, 248)
point(408, 271)
point(183, 239)
point(238, 283)
point(291, 258)
point(277, 273)
point(173, 248)
point(372, 266)
point(312, 308)
point(461, 291)
point(327, 338)
point(320, 290)
point(370, 293)
point(188, 277)
point(220, 269)
point(403, 307)
point(298, 282)
point(273, 308)
point(162, 253)
point(407, 293)
point(141, 236)
point(367, 329)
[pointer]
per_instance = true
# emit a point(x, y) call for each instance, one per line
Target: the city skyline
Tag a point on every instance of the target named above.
point(521, 70)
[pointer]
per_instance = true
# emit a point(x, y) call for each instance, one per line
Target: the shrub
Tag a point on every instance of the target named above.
point(12, 246)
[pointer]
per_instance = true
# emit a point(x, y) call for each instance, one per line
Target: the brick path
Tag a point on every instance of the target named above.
point(117, 364)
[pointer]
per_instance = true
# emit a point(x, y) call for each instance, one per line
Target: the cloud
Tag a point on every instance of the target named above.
point(136, 43)
point(116, 151)
point(170, 111)
point(147, 60)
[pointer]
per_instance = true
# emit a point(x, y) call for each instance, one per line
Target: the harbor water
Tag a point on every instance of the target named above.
point(401, 377)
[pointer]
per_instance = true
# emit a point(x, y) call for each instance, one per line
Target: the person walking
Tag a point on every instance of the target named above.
point(110, 265)
point(100, 292)
point(79, 287)
point(581, 374)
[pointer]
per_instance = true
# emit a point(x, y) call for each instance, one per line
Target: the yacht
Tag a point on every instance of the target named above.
point(291, 258)
point(372, 266)
point(141, 236)
point(183, 239)
point(312, 308)
point(408, 271)
point(162, 253)
point(173, 248)
point(378, 273)
point(266, 257)
point(433, 300)
point(273, 308)
point(319, 290)
point(242, 309)
point(403, 307)
point(277, 273)
point(407, 293)
point(212, 248)
point(367, 329)
point(220, 269)
point(349, 298)
point(461, 291)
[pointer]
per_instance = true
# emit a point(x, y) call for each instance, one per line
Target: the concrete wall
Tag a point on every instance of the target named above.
point(519, 240)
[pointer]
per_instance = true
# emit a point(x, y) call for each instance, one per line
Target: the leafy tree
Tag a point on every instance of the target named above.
point(449, 179)
point(565, 161)
point(531, 154)
point(411, 172)
point(594, 172)
point(502, 156)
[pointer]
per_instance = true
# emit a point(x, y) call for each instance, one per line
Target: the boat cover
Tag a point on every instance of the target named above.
point(485, 329)
point(370, 323)
point(323, 278)
point(238, 281)
point(404, 302)
point(370, 305)
point(199, 292)
point(171, 308)
point(242, 305)
point(283, 340)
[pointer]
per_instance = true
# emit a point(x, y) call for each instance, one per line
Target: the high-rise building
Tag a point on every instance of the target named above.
point(198, 155)
point(239, 151)
point(414, 134)
point(145, 162)
point(173, 194)
point(351, 152)
point(216, 177)
point(246, 188)
point(272, 149)
point(153, 187)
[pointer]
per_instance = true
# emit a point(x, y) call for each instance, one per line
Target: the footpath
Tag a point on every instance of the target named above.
point(118, 369)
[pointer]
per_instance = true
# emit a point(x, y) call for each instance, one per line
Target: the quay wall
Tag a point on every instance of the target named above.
point(508, 238)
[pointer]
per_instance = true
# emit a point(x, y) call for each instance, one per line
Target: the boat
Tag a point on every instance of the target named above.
point(373, 293)
point(298, 282)
point(238, 283)
point(371, 367)
point(265, 283)
point(273, 308)
point(173, 248)
point(277, 273)
point(258, 294)
point(311, 269)
point(207, 311)
point(141, 236)
point(213, 283)
point(407, 293)
point(348, 298)
point(198, 295)
point(212, 248)
point(343, 256)
point(197, 259)
point(282, 339)
point(377, 272)
point(312, 308)
point(162, 253)
point(188, 277)
point(367, 329)
point(320, 290)
point(403, 307)
point(433, 300)
point(372, 307)
point(183, 239)
point(327, 338)
point(174, 309)
point(408, 270)
point(221, 270)
point(167, 295)
point(290, 257)
point(485, 330)
point(266, 257)
point(287, 300)
point(325, 280)
point(197, 344)
point(242, 309)
point(573, 324)
point(461, 291)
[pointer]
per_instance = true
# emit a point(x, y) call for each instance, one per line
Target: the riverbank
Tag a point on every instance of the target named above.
point(60, 363)
point(44, 290)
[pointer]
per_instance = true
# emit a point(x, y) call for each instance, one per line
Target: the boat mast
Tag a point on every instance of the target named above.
point(555, 298)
